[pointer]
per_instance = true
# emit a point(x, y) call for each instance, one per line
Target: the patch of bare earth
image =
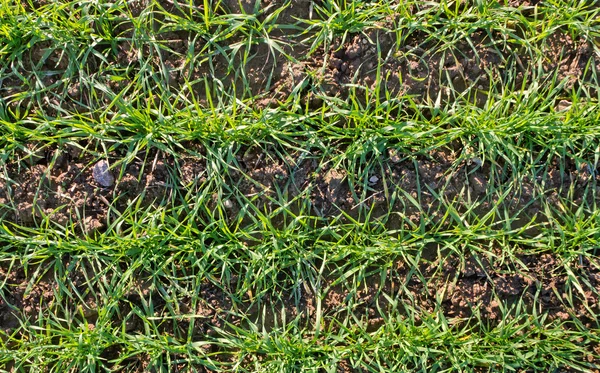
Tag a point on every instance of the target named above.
point(374, 61)
point(58, 185)
point(477, 285)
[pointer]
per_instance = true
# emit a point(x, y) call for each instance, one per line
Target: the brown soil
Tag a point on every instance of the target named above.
point(56, 185)
point(479, 285)
point(418, 68)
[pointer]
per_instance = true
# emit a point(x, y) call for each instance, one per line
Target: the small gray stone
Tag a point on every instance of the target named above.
point(477, 161)
point(102, 174)
point(373, 179)
point(563, 105)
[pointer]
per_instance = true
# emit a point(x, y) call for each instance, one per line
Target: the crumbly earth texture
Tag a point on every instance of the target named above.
point(297, 185)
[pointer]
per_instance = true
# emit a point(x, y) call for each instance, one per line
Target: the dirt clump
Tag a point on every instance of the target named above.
point(373, 64)
point(66, 187)
point(59, 185)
